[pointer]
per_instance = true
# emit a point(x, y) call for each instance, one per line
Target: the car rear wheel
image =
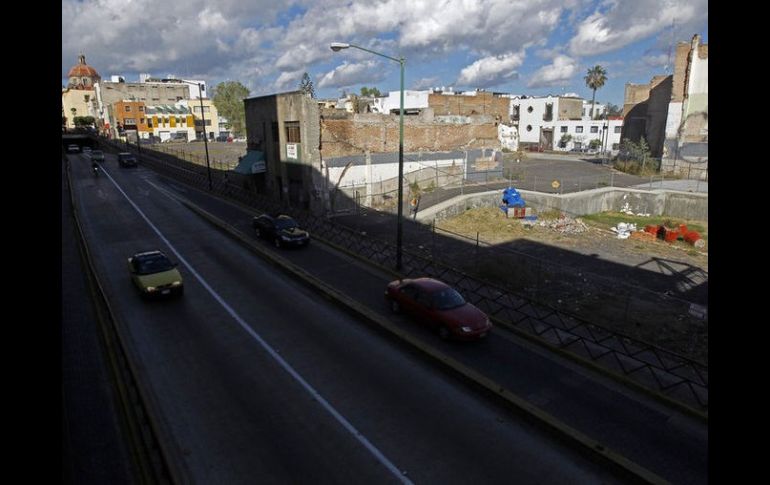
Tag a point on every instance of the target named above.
point(443, 332)
point(395, 307)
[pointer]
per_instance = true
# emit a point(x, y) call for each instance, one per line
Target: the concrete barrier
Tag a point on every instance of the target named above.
point(685, 205)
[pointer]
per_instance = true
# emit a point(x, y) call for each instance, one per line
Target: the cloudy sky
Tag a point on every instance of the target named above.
point(532, 47)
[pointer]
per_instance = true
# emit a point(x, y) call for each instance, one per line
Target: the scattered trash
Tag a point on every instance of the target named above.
point(624, 230)
point(682, 233)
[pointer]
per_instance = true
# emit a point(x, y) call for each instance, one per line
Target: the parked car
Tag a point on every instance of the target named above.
point(224, 138)
point(281, 229)
point(97, 156)
point(73, 148)
point(126, 159)
point(439, 306)
point(155, 275)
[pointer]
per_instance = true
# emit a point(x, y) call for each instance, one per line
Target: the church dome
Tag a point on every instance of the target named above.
point(82, 76)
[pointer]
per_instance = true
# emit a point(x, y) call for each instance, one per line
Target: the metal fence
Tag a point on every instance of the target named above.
point(679, 378)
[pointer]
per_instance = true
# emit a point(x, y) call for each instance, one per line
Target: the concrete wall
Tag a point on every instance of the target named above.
point(686, 205)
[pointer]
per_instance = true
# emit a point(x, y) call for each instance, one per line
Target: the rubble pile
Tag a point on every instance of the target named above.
point(565, 225)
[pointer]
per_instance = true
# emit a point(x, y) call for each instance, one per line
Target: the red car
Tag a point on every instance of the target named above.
point(439, 306)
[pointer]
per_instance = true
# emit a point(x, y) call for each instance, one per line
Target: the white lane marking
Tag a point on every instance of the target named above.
point(287, 367)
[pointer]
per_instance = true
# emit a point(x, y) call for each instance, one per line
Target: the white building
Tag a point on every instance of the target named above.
point(413, 100)
point(562, 123)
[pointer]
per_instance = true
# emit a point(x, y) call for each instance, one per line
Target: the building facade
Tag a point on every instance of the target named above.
point(671, 112)
point(78, 97)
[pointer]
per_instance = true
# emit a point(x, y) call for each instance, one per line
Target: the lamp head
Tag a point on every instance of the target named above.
point(338, 46)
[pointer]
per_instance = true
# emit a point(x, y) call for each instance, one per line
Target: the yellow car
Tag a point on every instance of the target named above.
point(155, 275)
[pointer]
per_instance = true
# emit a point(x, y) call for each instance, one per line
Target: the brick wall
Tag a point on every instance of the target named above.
point(481, 103)
point(379, 134)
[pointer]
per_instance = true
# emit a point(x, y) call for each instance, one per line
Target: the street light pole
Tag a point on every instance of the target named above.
point(203, 121)
point(337, 46)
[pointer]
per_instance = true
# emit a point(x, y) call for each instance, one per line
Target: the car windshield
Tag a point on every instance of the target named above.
point(447, 299)
point(96, 153)
point(285, 223)
point(154, 264)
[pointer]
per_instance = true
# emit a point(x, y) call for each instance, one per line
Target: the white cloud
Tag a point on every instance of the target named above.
point(426, 83)
point(624, 23)
point(264, 43)
point(559, 72)
point(491, 71)
point(288, 81)
point(351, 74)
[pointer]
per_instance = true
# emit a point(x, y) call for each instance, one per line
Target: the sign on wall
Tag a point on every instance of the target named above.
point(291, 151)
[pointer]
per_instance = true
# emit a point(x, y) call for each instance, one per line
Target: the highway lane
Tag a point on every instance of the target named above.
point(663, 440)
point(232, 411)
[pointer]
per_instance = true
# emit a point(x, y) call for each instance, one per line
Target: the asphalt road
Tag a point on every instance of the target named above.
point(255, 376)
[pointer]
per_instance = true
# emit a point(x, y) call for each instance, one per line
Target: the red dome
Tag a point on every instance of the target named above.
point(83, 70)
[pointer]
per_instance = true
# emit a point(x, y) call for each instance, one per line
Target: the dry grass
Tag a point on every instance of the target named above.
point(563, 276)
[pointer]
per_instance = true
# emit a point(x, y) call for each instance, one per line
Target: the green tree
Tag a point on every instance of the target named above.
point(594, 144)
point(84, 121)
point(371, 92)
point(613, 110)
point(306, 85)
point(595, 79)
point(228, 99)
point(565, 138)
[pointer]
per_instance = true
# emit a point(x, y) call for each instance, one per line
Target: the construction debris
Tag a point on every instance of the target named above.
point(564, 224)
point(623, 229)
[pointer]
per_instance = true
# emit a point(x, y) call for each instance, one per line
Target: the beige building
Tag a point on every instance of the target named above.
point(78, 98)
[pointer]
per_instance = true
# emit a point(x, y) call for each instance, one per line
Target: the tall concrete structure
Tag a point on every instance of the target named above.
point(671, 112)
point(686, 145)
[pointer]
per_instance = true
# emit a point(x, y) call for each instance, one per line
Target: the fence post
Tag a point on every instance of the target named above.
point(433, 239)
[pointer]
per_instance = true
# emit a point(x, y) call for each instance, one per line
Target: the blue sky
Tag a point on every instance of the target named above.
point(531, 47)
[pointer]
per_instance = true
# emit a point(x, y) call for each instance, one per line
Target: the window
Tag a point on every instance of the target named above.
point(141, 121)
point(563, 129)
point(578, 129)
point(578, 145)
point(292, 131)
point(529, 127)
point(617, 129)
point(529, 110)
point(129, 121)
point(128, 108)
point(149, 123)
point(141, 108)
point(548, 116)
point(594, 129)
point(197, 109)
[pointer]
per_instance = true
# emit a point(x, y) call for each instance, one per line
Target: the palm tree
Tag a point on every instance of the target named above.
point(595, 79)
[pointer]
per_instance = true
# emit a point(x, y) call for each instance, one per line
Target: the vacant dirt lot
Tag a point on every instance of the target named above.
point(643, 288)
point(222, 155)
